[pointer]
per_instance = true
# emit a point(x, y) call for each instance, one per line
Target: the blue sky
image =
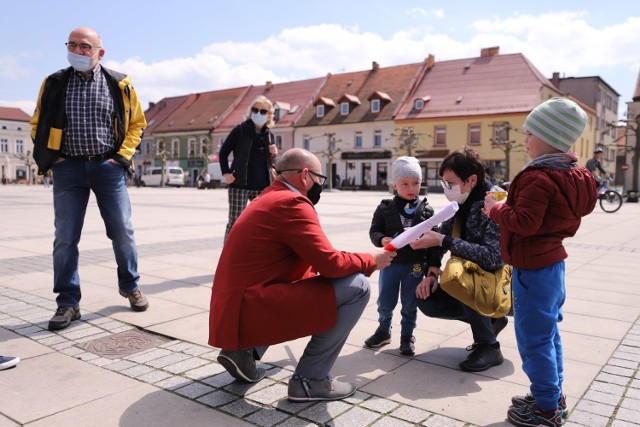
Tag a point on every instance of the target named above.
point(178, 47)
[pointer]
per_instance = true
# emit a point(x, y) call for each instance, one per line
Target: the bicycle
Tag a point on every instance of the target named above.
point(610, 200)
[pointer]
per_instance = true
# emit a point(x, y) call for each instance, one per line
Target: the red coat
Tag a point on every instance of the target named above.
point(265, 290)
point(544, 206)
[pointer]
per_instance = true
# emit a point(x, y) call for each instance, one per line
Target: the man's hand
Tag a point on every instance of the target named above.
point(273, 150)
point(229, 178)
point(383, 258)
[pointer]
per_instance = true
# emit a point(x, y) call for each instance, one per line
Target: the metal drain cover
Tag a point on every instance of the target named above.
point(123, 344)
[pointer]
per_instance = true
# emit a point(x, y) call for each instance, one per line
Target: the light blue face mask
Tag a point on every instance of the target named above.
point(80, 63)
point(258, 119)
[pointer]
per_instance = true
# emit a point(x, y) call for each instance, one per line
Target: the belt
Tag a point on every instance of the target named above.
point(91, 158)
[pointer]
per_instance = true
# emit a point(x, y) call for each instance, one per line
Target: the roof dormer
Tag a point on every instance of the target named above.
point(323, 104)
point(347, 102)
point(419, 103)
point(378, 100)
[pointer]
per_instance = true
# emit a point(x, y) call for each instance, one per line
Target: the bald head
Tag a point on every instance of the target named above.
point(299, 158)
point(88, 34)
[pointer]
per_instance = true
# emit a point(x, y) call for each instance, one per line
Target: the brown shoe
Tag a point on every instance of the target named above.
point(63, 317)
point(137, 300)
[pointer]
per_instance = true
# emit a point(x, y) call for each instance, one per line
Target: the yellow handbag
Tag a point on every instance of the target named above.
point(487, 292)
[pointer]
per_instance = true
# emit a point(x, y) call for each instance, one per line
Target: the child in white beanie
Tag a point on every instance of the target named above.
point(407, 269)
point(545, 204)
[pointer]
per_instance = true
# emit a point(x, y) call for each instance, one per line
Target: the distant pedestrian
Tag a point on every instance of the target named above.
point(545, 204)
point(86, 126)
point(251, 171)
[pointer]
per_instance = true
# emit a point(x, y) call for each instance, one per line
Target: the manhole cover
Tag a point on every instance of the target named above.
point(123, 344)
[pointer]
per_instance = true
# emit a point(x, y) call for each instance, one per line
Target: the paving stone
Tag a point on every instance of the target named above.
point(411, 414)
point(177, 345)
point(54, 339)
point(292, 407)
point(629, 415)
point(196, 350)
point(154, 376)
point(596, 408)
point(633, 393)
point(194, 390)
point(325, 411)
point(391, 422)
point(61, 346)
point(120, 366)
point(185, 365)
point(620, 423)
point(608, 388)
point(635, 383)
point(617, 370)
point(244, 389)
point(147, 355)
point(217, 398)
point(588, 419)
point(86, 356)
point(72, 351)
point(29, 330)
point(101, 361)
point(137, 371)
point(356, 416)
point(623, 363)
point(99, 320)
point(212, 355)
point(380, 404)
point(122, 329)
point(615, 379)
point(279, 374)
point(93, 337)
point(81, 333)
point(266, 417)
point(438, 420)
point(167, 360)
point(241, 408)
point(631, 342)
point(630, 403)
point(219, 381)
point(597, 396)
point(173, 382)
point(357, 397)
point(296, 422)
point(268, 395)
point(206, 371)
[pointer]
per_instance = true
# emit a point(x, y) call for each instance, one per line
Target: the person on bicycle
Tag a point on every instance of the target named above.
point(594, 164)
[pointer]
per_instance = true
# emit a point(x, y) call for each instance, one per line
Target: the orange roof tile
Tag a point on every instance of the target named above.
point(159, 111)
point(14, 114)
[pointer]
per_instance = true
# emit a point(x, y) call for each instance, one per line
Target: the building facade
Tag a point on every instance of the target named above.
point(16, 147)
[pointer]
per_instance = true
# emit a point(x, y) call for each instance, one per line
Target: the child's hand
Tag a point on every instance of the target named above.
point(385, 240)
point(489, 202)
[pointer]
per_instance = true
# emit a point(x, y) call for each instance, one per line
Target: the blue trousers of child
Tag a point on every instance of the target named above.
point(538, 297)
point(398, 280)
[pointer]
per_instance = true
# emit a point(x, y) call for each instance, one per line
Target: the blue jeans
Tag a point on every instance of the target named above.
point(398, 279)
point(441, 305)
point(538, 297)
point(72, 184)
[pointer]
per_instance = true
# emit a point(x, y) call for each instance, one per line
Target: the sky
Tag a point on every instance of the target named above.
point(172, 48)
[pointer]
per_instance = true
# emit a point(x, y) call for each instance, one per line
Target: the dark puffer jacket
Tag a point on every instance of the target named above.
point(386, 223)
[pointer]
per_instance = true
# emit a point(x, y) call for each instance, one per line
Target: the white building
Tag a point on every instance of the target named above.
point(16, 147)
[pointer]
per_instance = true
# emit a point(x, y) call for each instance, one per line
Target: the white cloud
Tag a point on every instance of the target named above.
point(25, 105)
point(562, 42)
point(11, 66)
point(438, 13)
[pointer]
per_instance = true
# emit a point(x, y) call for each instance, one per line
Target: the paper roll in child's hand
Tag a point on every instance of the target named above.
point(418, 230)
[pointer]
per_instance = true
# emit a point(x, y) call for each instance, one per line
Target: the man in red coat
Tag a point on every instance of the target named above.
point(279, 278)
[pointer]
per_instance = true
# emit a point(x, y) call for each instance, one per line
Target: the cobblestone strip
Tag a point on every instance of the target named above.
point(191, 371)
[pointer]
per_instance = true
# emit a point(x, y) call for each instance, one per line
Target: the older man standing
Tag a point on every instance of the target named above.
point(86, 126)
point(279, 278)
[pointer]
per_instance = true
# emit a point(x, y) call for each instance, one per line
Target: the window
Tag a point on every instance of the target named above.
point(19, 128)
point(279, 142)
point(358, 140)
point(19, 146)
point(441, 136)
point(474, 134)
point(4, 145)
point(320, 110)
point(147, 148)
point(160, 147)
point(375, 105)
point(500, 133)
point(276, 114)
point(377, 139)
point(333, 143)
point(344, 108)
point(418, 104)
point(202, 149)
point(192, 148)
point(306, 142)
point(175, 148)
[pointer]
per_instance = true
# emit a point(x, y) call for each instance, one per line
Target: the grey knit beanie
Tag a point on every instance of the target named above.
point(406, 167)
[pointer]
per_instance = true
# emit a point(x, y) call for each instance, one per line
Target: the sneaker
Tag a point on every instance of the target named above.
point(407, 347)
point(528, 399)
point(309, 390)
point(241, 365)
point(137, 300)
point(482, 358)
point(378, 339)
point(63, 317)
point(531, 415)
point(7, 362)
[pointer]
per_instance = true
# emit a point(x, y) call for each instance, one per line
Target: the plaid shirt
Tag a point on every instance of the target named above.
point(90, 116)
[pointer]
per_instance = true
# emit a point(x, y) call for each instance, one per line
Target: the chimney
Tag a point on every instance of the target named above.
point(490, 51)
point(374, 66)
point(151, 104)
point(269, 85)
point(555, 80)
point(431, 60)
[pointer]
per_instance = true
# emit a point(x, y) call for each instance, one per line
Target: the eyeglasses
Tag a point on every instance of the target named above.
point(262, 111)
point(84, 47)
point(321, 178)
point(447, 184)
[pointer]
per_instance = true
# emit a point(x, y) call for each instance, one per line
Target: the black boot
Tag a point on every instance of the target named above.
point(482, 358)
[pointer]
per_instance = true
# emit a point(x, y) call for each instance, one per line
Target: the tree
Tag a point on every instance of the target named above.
point(330, 153)
point(408, 141)
point(633, 127)
point(501, 141)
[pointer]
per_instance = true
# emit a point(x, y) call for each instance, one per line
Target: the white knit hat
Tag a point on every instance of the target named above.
point(406, 167)
point(559, 122)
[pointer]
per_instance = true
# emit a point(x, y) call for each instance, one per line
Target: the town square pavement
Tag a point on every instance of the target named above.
point(118, 367)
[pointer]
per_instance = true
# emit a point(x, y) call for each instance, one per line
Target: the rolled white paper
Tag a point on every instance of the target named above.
point(418, 230)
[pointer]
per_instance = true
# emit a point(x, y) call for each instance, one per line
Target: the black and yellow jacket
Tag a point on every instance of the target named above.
point(49, 119)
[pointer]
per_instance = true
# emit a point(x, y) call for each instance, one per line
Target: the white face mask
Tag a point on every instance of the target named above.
point(80, 63)
point(454, 194)
point(258, 119)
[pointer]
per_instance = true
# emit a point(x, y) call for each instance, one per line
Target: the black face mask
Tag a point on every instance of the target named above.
point(314, 193)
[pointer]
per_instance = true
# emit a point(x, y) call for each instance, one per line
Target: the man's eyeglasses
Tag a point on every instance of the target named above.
point(262, 111)
point(321, 178)
point(84, 47)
